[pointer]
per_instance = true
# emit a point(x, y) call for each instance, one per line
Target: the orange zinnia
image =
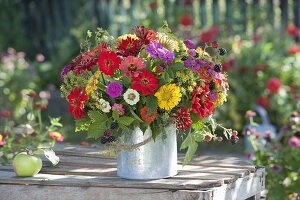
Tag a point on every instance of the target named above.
point(148, 117)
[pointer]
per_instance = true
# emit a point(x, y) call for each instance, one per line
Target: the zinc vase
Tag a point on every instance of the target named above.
point(153, 160)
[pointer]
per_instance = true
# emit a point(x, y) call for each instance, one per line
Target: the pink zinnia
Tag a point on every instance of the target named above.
point(119, 108)
point(131, 66)
point(294, 141)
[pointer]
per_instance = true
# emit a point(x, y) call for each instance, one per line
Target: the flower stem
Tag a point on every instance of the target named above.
point(103, 79)
point(39, 115)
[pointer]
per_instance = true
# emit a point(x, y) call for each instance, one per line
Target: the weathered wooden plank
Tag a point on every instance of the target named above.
point(91, 181)
point(243, 188)
point(13, 192)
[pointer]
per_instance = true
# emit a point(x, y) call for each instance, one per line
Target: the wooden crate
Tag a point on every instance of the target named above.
point(85, 173)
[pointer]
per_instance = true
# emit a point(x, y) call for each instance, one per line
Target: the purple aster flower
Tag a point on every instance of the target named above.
point(119, 108)
point(276, 169)
point(65, 70)
point(294, 141)
point(192, 52)
point(213, 96)
point(203, 63)
point(189, 44)
point(156, 50)
point(192, 65)
point(114, 89)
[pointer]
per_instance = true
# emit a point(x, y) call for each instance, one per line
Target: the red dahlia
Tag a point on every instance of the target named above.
point(87, 60)
point(146, 83)
point(76, 98)
point(274, 85)
point(129, 47)
point(108, 62)
point(183, 119)
point(201, 103)
point(145, 34)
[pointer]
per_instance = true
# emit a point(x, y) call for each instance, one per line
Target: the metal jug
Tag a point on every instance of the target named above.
point(261, 129)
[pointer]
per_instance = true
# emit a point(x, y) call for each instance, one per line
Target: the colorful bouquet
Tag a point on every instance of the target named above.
point(146, 79)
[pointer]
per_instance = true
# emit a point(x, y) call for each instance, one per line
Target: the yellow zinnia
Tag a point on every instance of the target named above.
point(168, 96)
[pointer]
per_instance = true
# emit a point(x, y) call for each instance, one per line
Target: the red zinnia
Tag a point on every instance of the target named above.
point(108, 62)
point(6, 114)
point(273, 85)
point(183, 119)
point(263, 101)
point(201, 103)
point(87, 60)
point(186, 20)
point(129, 47)
point(205, 75)
point(292, 30)
point(294, 49)
point(76, 98)
point(146, 83)
point(208, 36)
point(145, 34)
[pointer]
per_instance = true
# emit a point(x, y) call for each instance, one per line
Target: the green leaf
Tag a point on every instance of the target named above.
point(188, 140)
point(198, 126)
point(56, 122)
point(151, 103)
point(136, 116)
point(198, 136)
point(82, 124)
point(190, 152)
point(96, 129)
point(213, 124)
point(177, 66)
point(97, 116)
point(115, 114)
point(125, 120)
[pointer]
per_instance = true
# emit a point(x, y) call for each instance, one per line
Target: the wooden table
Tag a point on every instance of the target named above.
point(84, 173)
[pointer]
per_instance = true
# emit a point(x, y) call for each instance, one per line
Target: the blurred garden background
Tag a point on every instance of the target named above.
point(39, 37)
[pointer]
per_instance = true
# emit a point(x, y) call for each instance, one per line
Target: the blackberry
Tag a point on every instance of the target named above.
point(114, 125)
point(184, 58)
point(107, 133)
point(222, 51)
point(218, 67)
point(234, 139)
point(211, 85)
point(197, 55)
point(111, 139)
point(103, 140)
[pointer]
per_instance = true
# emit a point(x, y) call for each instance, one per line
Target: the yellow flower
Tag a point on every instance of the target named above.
point(92, 83)
point(168, 96)
point(203, 54)
point(222, 97)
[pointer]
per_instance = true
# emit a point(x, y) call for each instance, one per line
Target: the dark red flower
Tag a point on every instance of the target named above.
point(208, 36)
point(228, 64)
point(146, 116)
point(260, 68)
point(145, 34)
point(294, 49)
point(263, 101)
point(87, 60)
point(273, 85)
point(6, 114)
point(186, 20)
point(129, 47)
point(146, 83)
point(292, 30)
point(188, 2)
point(256, 38)
point(76, 98)
point(201, 102)
point(205, 75)
point(153, 5)
point(183, 119)
point(40, 105)
point(108, 62)
point(33, 94)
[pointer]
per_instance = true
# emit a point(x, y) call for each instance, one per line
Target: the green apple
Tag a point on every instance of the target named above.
point(27, 165)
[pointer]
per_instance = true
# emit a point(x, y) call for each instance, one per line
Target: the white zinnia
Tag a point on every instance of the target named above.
point(131, 96)
point(104, 105)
